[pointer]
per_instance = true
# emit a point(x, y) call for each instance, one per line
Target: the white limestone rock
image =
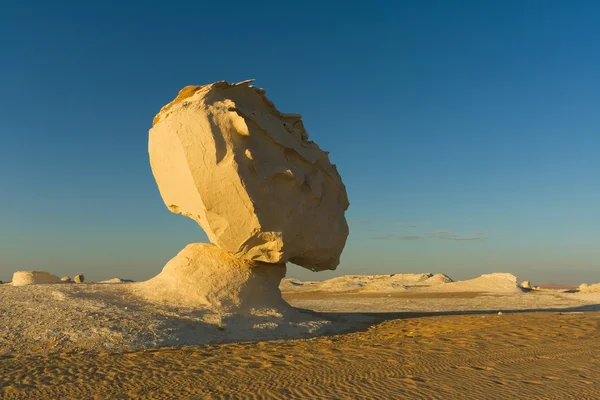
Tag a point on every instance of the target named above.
point(593, 288)
point(79, 278)
point(66, 279)
point(296, 285)
point(372, 283)
point(22, 278)
point(498, 282)
point(526, 285)
point(437, 279)
point(367, 283)
point(206, 277)
point(116, 280)
point(224, 156)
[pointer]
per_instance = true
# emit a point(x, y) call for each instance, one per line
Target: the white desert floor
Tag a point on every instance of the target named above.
point(42, 319)
point(361, 337)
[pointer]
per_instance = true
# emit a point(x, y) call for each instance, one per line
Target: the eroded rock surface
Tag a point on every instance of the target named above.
point(202, 275)
point(593, 288)
point(224, 156)
point(21, 278)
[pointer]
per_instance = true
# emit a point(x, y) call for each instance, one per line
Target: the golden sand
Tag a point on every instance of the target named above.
point(486, 356)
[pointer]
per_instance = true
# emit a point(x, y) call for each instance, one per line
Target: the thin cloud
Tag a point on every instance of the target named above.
point(433, 235)
point(454, 236)
point(397, 237)
point(358, 221)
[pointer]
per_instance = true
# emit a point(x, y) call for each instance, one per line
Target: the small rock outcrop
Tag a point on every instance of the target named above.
point(22, 278)
point(116, 280)
point(593, 288)
point(437, 279)
point(66, 279)
point(79, 278)
point(526, 285)
point(498, 282)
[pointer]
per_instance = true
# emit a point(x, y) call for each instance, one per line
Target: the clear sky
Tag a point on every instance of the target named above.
point(467, 132)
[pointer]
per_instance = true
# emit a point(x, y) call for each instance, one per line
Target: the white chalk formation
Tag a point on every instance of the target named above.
point(367, 283)
point(265, 195)
point(22, 278)
point(116, 280)
point(498, 282)
point(207, 276)
point(593, 288)
point(399, 283)
point(224, 156)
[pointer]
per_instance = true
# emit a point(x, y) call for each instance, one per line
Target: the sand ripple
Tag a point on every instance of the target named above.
point(512, 356)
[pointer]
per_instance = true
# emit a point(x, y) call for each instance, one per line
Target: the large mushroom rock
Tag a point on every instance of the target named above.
point(202, 275)
point(224, 156)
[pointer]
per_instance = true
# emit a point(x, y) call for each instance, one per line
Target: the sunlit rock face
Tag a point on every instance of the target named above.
point(224, 156)
point(22, 278)
point(202, 275)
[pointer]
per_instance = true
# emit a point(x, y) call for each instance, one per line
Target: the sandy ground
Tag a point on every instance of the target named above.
point(43, 319)
point(444, 302)
point(545, 355)
point(413, 345)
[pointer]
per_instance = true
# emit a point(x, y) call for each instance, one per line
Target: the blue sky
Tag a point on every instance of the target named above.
point(467, 132)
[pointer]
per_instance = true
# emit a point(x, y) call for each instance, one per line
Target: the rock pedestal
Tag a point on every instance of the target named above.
point(202, 275)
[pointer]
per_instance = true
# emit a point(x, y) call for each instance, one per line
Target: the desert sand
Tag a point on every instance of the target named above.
point(409, 355)
point(96, 341)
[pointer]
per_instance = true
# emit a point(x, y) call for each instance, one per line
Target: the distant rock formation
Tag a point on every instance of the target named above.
point(585, 288)
point(439, 283)
point(437, 279)
point(224, 156)
point(526, 285)
point(22, 278)
point(116, 280)
point(498, 282)
point(366, 283)
point(66, 279)
point(79, 278)
point(372, 283)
